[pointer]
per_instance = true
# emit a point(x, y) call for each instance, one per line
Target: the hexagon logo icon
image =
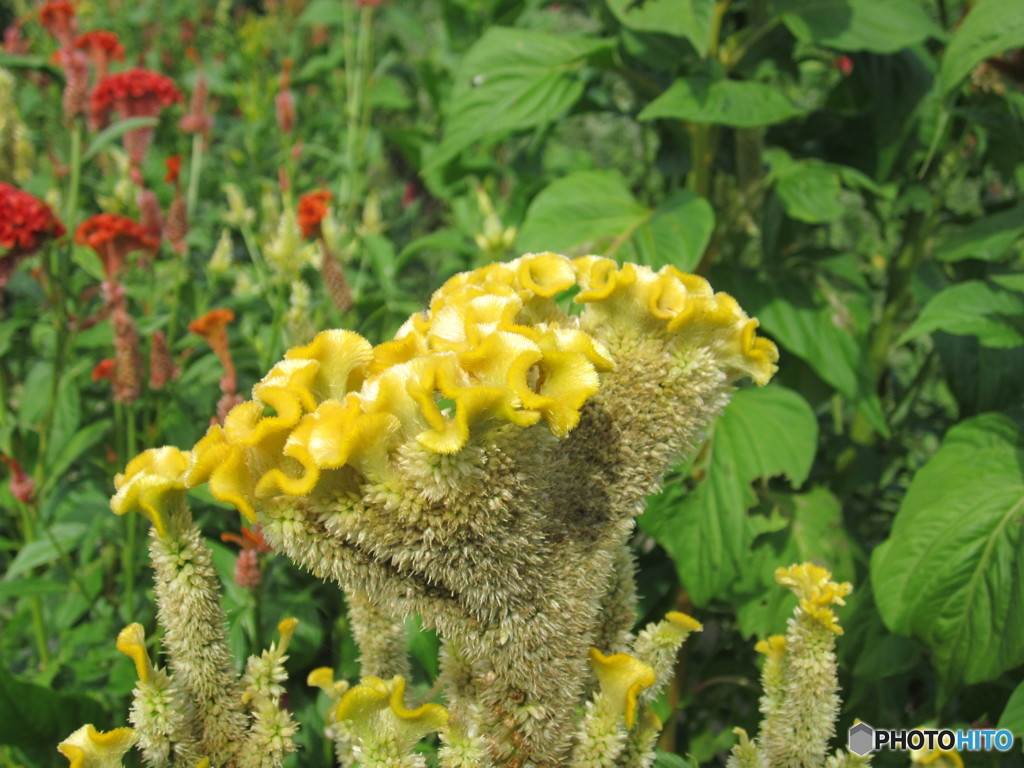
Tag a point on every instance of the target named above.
point(861, 739)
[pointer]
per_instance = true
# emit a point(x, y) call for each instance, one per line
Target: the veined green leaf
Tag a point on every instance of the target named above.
point(691, 19)
point(762, 433)
point(737, 103)
point(1012, 718)
point(952, 571)
point(594, 212)
point(859, 25)
point(974, 308)
point(809, 189)
point(990, 28)
point(43, 551)
point(989, 238)
point(511, 80)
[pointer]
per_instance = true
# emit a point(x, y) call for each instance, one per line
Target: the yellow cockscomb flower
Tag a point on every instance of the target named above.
point(622, 678)
point(131, 641)
point(816, 591)
point(376, 710)
point(89, 748)
point(152, 483)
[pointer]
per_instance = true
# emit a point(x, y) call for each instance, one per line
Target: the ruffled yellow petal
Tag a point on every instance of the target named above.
point(341, 433)
point(622, 677)
point(363, 701)
point(599, 278)
point(816, 591)
point(343, 357)
point(89, 748)
point(545, 274)
point(223, 465)
point(152, 482)
point(425, 719)
point(131, 641)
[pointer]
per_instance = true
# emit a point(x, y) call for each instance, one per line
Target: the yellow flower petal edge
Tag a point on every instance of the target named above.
point(360, 704)
point(816, 592)
point(131, 641)
point(89, 748)
point(151, 482)
point(622, 677)
point(774, 647)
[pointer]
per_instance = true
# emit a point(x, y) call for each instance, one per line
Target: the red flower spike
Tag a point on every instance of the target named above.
point(14, 41)
point(104, 370)
point(134, 93)
point(173, 164)
point(312, 209)
point(23, 487)
point(197, 120)
point(102, 47)
point(58, 17)
point(113, 237)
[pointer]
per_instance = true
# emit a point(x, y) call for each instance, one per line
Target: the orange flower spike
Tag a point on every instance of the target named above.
point(173, 164)
point(113, 237)
point(213, 328)
point(104, 370)
point(312, 210)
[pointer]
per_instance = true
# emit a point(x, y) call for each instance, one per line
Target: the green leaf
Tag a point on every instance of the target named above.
point(114, 132)
point(66, 453)
point(737, 103)
point(988, 239)
point(670, 760)
point(43, 551)
point(859, 25)
point(511, 80)
point(974, 308)
point(794, 313)
point(809, 189)
point(691, 19)
point(594, 212)
point(1012, 718)
point(952, 571)
point(990, 28)
point(762, 433)
point(36, 717)
point(325, 12)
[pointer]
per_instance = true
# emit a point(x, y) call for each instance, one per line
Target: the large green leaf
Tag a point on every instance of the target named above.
point(974, 308)
point(737, 103)
point(990, 28)
point(594, 212)
point(763, 433)
point(691, 19)
point(511, 80)
point(796, 315)
point(36, 717)
point(952, 571)
point(809, 189)
point(859, 25)
point(1013, 714)
point(989, 238)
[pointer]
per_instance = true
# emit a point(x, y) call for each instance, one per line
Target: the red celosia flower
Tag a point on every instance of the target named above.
point(134, 93)
point(25, 221)
point(173, 164)
point(102, 47)
point(104, 370)
point(113, 237)
point(213, 327)
point(58, 16)
point(23, 487)
point(312, 209)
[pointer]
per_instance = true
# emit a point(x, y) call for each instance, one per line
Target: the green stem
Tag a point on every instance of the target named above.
point(35, 603)
point(195, 168)
point(131, 522)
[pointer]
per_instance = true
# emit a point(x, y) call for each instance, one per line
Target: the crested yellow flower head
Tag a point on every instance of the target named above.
point(378, 707)
point(151, 484)
point(622, 678)
point(773, 647)
point(89, 748)
point(495, 349)
point(816, 591)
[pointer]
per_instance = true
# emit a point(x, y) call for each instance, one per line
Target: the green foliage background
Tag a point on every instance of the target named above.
point(849, 170)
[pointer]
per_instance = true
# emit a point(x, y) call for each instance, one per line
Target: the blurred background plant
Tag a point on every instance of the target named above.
point(233, 177)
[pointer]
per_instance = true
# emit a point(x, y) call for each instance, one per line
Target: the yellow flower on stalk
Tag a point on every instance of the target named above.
point(152, 484)
point(622, 678)
point(376, 708)
point(89, 748)
point(816, 591)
